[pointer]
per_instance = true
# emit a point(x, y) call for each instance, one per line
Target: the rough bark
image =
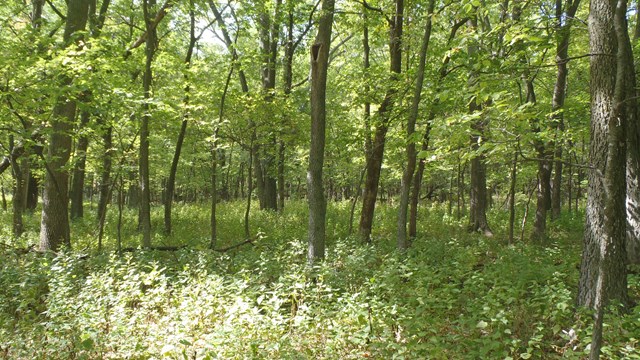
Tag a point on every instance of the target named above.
point(609, 112)
point(374, 160)
point(54, 228)
point(266, 166)
point(603, 272)
point(319, 66)
point(633, 168)
point(407, 177)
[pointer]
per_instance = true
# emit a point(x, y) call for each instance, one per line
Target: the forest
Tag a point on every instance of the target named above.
point(319, 179)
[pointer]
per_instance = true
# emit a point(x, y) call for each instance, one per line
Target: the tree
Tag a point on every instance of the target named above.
point(54, 227)
point(478, 197)
point(319, 66)
point(403, 242)
point(564, 20)
point(375, 157)
point(603, 277)
point(171, 181)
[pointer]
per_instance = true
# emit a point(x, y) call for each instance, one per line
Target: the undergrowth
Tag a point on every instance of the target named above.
point(453, 295)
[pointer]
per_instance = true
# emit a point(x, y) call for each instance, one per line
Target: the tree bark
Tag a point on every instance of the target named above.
point(633, 169)
point(402, 240)
point(105, 173)
point(145, 191)
point(512, 196)
point(319, 66)
point(478, 195)
point(54, 228)
point(374, 159)
point(603, 275)
point(603, 272)
point(564, 19)
point(171, 181)
point(18, 193)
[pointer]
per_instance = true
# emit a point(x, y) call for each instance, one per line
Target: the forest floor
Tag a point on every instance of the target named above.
point(454, 295)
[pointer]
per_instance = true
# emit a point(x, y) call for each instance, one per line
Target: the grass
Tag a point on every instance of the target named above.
point(454, 295)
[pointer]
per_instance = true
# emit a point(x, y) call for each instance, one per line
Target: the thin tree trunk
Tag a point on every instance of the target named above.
point(4, 199)
point(374, 160)
point(355, 200)
point(564, 20)
point(145, 191)
point(247, 233)
point(18, 193)
point(105, 177)
point(402, 240)
point(214, 166)
point(77, 184)
point(512, 196)
point(319, 66)
point(171, 181)
point(633, 170)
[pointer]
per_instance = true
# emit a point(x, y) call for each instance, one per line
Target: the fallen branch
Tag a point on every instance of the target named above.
point(248, 241)
point(157, 248)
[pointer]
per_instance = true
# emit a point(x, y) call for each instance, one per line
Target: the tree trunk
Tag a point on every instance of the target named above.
point(105, 177)
point(319, 66)
point(281, 191)
point(512, 196)
point(478, 195)
point(18, 192)
point(374, 159)
point(563, 26)
point(171, 181)
point(54, 228)
point(603, 272)
point(145, 191)
point(77, 184)
point(633, 170)
point(402, 241)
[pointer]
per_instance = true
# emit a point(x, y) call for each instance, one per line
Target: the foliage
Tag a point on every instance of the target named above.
point(453, 295)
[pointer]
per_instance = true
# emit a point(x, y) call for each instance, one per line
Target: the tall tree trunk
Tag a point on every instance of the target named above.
point(564, 19)
point(77, 184)
point(417, 177)
point(54, 228)
point(633, 169)
point(603, 275)
point(319, 66)
point(478, 195)
point(266, 152)
point(18, 192)
point(603, 272)
point(105, 173)
point(281, 190)
point(374, 159)
point(402, 241)
point(512, 196)
point(145, 191)
point(171, 181)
